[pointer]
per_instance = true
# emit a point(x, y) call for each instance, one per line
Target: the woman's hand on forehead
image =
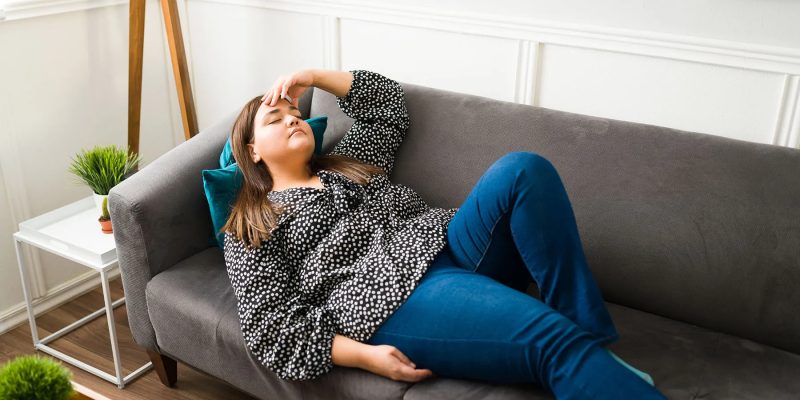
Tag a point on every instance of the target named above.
point(289, 87)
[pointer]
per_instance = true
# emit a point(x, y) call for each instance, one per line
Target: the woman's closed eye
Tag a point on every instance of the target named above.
point(298, 116)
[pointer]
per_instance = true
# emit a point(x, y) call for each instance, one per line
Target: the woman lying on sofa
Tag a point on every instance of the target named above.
point(332, 263)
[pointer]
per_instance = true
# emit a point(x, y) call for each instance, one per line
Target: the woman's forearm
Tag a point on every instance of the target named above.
point(333, 81)
point(348, 352)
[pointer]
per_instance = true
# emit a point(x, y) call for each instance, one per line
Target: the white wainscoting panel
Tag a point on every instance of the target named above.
point(723, 101)
point(239, 51)
point(481, 65)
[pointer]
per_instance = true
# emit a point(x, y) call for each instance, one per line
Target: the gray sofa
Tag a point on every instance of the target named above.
point(693, 238)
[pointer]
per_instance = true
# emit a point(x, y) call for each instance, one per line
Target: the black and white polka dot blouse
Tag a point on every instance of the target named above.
point(342, 259)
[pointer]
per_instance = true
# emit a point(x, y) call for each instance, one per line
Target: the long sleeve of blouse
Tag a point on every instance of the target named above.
point(377, 105)
point(341, 259)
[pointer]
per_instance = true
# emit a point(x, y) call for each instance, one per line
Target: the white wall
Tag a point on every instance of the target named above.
point(64, 80)
point(727, 68)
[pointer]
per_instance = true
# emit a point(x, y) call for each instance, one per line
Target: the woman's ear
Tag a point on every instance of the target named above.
point(251, 150)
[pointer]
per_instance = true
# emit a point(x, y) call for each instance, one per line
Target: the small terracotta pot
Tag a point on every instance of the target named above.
point(105, 225)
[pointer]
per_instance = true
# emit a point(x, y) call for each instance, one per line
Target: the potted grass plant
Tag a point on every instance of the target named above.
point(102, 168)
point(32, 377)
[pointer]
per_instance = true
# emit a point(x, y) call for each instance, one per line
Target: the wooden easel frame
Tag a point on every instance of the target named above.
point(179, 68)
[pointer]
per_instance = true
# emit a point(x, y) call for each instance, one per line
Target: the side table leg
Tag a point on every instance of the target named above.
point(112, 328)
point(23, 273)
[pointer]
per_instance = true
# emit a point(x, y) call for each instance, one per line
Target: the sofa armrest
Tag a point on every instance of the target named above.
point(160, 216)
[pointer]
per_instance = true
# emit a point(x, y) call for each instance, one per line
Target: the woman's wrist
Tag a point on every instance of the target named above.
point(348, 352)
point(314, 78)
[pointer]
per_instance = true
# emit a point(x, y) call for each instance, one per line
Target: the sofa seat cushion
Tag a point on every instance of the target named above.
point(193, 310)
point(686, 362)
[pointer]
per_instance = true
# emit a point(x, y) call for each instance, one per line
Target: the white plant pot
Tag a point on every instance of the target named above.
point(98, 201)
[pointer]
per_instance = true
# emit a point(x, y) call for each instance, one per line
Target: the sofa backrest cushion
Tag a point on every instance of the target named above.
point(324, 103)
point(691, 226)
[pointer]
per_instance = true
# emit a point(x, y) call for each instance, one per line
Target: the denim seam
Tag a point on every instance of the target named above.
point(453, 340)
point(491, 238)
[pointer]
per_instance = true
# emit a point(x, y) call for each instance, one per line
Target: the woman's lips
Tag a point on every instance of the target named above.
point(295, 131)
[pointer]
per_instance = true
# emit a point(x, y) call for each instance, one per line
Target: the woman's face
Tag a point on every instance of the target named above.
point(281, 136)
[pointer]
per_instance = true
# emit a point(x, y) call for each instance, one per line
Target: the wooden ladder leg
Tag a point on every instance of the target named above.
point(135, 60)
point(166, 367)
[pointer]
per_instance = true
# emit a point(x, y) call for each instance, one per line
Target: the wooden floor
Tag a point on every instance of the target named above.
point(90, 343)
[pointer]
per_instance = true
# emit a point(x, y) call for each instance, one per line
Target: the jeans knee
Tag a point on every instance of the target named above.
point(530, 164)
point(525, 160)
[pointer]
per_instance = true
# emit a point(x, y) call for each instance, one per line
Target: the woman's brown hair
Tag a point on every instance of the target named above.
point(253, 215)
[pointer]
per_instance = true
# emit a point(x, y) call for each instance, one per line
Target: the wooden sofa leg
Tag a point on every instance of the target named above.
point(166, 367)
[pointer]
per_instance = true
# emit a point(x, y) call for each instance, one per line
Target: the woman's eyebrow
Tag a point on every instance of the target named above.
point(277, 110)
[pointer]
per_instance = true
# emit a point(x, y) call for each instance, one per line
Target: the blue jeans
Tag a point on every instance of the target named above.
point(470, 318)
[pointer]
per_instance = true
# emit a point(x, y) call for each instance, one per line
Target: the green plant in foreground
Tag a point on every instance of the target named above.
point(102, 168)
point(105, 216)
point(33, 378)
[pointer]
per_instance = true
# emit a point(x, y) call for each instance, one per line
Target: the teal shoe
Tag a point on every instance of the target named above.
point(641, 374)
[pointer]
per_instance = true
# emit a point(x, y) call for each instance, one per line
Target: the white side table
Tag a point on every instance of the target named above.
point(73, 232)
